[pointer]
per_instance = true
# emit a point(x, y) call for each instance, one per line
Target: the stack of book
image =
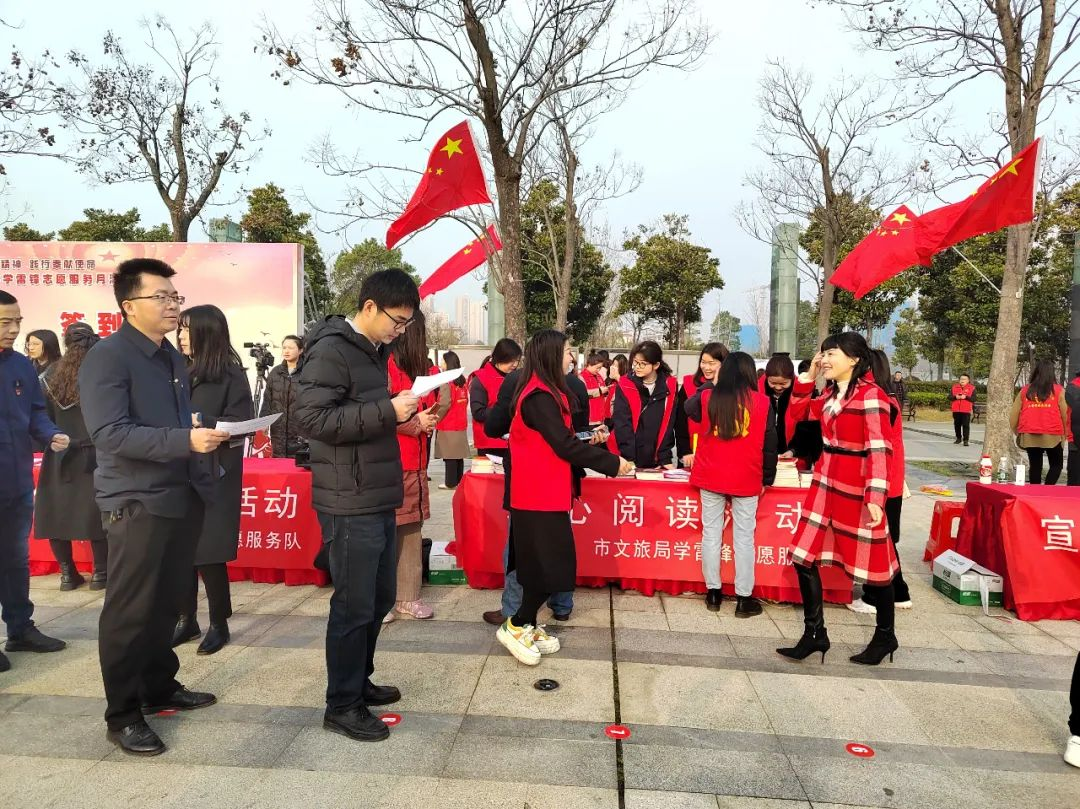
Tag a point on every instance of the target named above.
point(787, 475)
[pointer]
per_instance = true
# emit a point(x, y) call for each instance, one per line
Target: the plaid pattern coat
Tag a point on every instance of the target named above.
point(851, 474)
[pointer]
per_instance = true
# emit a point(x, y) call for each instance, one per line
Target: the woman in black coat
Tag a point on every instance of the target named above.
point(65, 509)
point(219, 392)
point(644, 408)
point(280, 397)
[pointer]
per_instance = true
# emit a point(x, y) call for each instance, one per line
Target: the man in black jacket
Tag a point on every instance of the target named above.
point(346, 412)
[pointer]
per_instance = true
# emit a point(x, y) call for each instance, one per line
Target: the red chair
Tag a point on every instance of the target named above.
point(944, 526)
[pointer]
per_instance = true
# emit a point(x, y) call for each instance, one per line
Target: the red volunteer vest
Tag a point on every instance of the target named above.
point(541, 479)
point(732, 466)
point(690, 387)
point(598, 405)
point(1040, 418)
point(963, 405)
point(456, 417)
point(492, 380)
point(413, 448)
point(633, 399)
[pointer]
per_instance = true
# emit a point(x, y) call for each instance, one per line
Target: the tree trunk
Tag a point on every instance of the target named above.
point(509, 190)
point(999, 393)
point(940, 369)
point(180, 226)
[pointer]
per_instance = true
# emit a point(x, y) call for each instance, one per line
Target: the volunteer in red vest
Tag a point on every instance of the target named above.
point(484, 390)
point(894, 505)
point(843, 515)
point(1040, 418)
point(709, 360)
point(408, 361)
point(596, 383)
point(1072, 399)
point(776, 384)
point(735, 460)
point(963, 401)
point(544, 453)
point(644, 418)
point(452, 439)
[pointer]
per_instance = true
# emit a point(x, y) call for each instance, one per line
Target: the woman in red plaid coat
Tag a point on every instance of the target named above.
point(843, 520)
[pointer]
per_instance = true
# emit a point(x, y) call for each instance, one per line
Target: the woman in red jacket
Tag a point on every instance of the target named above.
point(410, 360)
point(596, 382)
point(963, 402)
point(484, 387)
point(452, 440)
point(709, 361)
point(843, 516)
point(543, 453)
point(1040, 417)
point(735, 459)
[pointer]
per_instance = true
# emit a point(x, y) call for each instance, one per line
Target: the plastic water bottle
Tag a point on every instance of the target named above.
point(1003, 470)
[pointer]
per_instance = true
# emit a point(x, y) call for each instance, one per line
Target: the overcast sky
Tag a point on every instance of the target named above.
point(694, 134)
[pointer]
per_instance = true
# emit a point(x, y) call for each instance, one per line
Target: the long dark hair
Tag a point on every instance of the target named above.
point(730, 399)
point(62, 382)
point(882, 370)
point(506, 350)
point(410, 349)
point(453, 361)
point(718, 351)
point(1043, 379)
point(544, 358)
point(652, 353)
point(211, 347)
point(50, 348)
point(853, 345)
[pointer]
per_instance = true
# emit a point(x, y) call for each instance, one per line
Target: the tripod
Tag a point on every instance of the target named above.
point(256, 398)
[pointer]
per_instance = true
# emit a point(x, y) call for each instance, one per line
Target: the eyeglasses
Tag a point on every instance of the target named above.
point(640, 364)
point(161, 300)
point(398, 322)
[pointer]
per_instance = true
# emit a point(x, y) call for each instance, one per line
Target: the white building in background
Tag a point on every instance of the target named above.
point(471, 317)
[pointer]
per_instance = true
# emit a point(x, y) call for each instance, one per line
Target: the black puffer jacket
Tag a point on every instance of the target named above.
point(280, 397)
point(345, 412)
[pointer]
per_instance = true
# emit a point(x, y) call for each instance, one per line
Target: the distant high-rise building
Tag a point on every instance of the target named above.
point(471, 317)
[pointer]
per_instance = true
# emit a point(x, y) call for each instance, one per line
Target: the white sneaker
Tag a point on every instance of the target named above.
point(904, 605)
point(1072, 751)
point(519, 642)
point(862, 607)
point(545, 643)
point(389, 617)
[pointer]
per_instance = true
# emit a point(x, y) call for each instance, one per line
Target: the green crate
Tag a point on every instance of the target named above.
point(446, 577)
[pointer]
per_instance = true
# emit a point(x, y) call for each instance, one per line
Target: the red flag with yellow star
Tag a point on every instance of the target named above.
point(887, 250)
point(1006, 198)
point(464, 260)
point(453, 179)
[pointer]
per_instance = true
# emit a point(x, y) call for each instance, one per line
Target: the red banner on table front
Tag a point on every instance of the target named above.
point(640, 531)
point(1042, 549)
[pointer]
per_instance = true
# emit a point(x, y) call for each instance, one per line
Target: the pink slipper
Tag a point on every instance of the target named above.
point(417, 609)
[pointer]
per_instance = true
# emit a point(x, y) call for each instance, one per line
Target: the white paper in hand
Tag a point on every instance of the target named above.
point(426, 384)
point(247, 427)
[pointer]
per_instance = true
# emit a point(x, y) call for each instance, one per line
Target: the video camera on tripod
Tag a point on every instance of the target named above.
point(260, 352)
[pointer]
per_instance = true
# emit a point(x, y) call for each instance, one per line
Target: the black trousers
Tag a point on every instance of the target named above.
point(893, 507)
point(1056, 456)
point(531, 602)
point(1074, 700)
point(62, 552)
point(218, 597)
point(147, 554)
point(454, 470)
point(363, 567)
point(962, 426)
point(1073, 478)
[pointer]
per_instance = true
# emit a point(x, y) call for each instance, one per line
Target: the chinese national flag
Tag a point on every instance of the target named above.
point(453, 179)
point(467, 258)
point(1007, 198)
point(888, 250)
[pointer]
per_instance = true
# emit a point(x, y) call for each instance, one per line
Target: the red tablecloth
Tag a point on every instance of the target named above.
point(1029, 535)
point(279, 532)
point(641, 535)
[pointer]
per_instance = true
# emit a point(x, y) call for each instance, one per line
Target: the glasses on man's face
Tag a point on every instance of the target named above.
point(161, 300)
point(398, 322)
point(640, 364)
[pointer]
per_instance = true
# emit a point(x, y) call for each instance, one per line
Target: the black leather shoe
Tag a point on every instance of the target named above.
point(5, 664)
point(747, 607)
point(216, 638)
point(32, 640)
point(381, 694)
point(181, 700)
point(186, 629)
point(70, 578)
point(138, 739)
point(98, 580)
point(560, 616)
point(494, 617)
point(713, 600)
point(359, 724)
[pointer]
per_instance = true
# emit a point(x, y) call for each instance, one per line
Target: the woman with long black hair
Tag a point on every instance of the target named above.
point(644, 408)
point(219, 392)
point(686, 429)
point(451, 438)
point(843, 515)
point(544, 452)
point(484, 387)
point(281, 397)
point(1040, 421)
point(65, 509)
point(43, 349)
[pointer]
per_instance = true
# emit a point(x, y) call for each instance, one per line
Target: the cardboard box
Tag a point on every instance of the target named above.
point(440, 559)
point(447, 577)
point(965, 582)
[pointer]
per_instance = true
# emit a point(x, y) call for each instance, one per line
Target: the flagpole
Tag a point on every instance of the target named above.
point(980, 272)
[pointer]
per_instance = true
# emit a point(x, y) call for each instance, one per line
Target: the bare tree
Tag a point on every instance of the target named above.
point(27, 96)
point(757, 314)
point(141, 125)
point(943, 48)
point(496, 63)
point(819, 150)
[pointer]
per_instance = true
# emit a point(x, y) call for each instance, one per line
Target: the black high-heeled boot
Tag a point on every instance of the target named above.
point(815, 638)
point(884, 641)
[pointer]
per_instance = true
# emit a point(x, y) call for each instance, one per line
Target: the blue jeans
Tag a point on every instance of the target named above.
point(363, 569)
point(560, 603)
point(17, 515)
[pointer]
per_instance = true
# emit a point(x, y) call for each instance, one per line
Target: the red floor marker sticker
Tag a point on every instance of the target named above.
point(391, 719)
point(167, 712)
point(617, 731)
point(860, 750)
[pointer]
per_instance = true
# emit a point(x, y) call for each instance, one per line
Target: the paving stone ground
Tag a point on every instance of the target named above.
point(972, 713)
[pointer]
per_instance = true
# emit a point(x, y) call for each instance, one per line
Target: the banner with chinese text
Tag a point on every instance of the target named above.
point(1042, 549)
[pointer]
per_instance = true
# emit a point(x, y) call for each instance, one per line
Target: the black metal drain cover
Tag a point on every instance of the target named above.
point(546, 685)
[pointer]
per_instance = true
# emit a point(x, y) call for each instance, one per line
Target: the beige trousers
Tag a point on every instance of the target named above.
point(410, 561)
